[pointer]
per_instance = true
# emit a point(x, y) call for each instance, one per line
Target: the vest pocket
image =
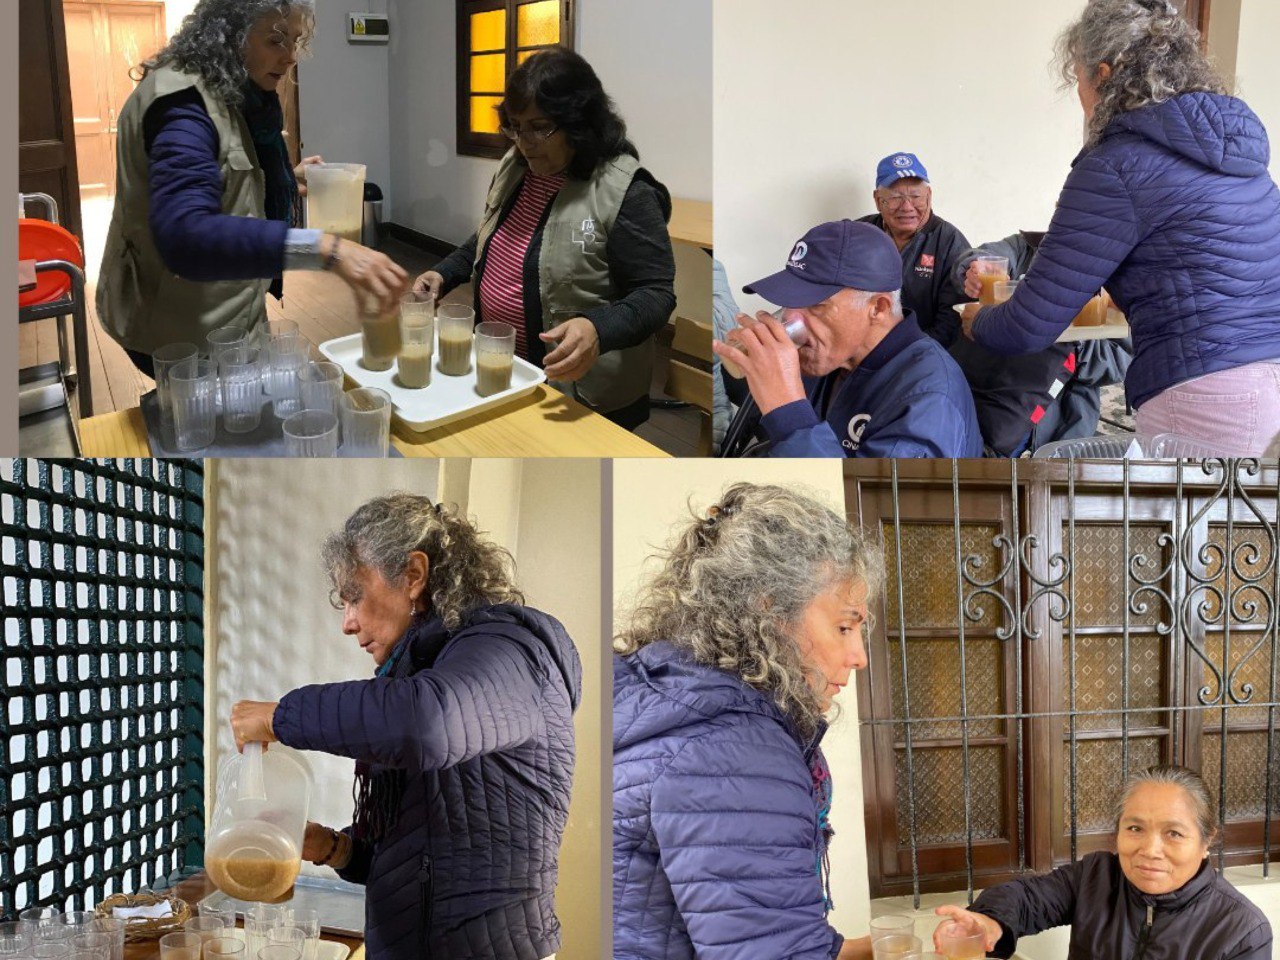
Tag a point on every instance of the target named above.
point(244, 186)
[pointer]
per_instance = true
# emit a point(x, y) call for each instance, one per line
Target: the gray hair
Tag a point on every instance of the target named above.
point(1153, 52)
point(735, 584)
point(1190, 782)
point(211, 40)
point(863, 297)
point(466, 571)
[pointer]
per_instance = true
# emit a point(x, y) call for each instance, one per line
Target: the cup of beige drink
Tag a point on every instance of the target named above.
point(379, 338)
point(991, 270)
point(453, 326)
point(1094, 313)
point(959, 942)
point(417, 339)
point(495, 355)
point(793, 325)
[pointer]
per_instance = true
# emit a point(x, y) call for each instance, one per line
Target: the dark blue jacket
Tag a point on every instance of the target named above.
point(196, 240)
point(1175, 212)
point(481, 721)
point(717, 847)
point(907, 398)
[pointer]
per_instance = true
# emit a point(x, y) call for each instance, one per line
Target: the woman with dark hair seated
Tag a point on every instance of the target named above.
point(572, 248)
point(1157, 896)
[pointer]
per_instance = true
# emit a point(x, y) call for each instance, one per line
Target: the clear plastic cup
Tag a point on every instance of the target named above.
point(240, 372)
point(192, 386)
point(115, 929)
point(232, 947)
point(256, 929)
point(308, 921)
point(36, 920)
point(794, 326)
point(288, 354)
point(280, 951)
point(896, 946)
point(417, 340)
point(181, 946)
point(288, 934)
point(311, 433)
point(216, 342)
point(50, 950)
point(454, 322)
point(366, 422)
point(206, 928)
point(495, 355)
point(321, 383)
point(162, 361)
point(892, 923)
point(226, 913)
point(957, 942)
point(991, 270)
point(379, 337)
point(1004, 290)
point(98, 942)
point(14, 938)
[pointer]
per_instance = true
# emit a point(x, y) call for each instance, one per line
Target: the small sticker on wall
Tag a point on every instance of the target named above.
point(357, 26)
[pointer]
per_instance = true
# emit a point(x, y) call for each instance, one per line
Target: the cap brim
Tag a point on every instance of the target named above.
point(787, 290)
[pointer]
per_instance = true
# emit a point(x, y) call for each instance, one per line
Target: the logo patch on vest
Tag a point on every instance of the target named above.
point(585, 235)
point(857, 426)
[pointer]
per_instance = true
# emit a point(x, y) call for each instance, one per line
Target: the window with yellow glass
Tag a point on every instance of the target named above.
point(494, 38)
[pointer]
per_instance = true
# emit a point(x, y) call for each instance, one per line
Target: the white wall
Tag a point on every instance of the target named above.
point(805, 106)
point(653, 58)
point(651, 501)
point(343, 93)
point(1258, 68)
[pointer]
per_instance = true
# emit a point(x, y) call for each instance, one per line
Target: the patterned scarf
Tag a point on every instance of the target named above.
point(822, 794)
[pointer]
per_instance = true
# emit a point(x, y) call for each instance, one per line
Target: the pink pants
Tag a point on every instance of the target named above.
point(1237, 410)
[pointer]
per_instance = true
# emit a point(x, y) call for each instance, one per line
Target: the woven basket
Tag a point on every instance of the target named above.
point(140, 929)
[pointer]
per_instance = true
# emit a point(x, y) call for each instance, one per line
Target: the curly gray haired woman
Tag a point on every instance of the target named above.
point(736, 584)
point(213, 37)
point(1136, 52)
point(464, 570)
point(725, 676)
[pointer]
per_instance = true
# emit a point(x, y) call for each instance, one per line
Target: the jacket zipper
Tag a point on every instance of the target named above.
point(1143, 934)
point(426, 883)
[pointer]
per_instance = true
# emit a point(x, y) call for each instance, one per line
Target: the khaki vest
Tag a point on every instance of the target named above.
point(573, 270)
point(141, 303)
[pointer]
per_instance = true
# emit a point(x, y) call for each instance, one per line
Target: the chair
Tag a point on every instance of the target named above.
point(59, 291)
point(689, 374)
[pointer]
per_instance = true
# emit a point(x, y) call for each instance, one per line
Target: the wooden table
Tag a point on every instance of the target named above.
point(196, 889)
point(691, 222)
point(544, 423)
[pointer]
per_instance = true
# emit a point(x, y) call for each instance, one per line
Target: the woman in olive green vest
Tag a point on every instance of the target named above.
point(206, 199)
point(572, 247)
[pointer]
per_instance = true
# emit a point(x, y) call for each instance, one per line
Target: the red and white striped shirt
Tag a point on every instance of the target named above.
point(502, 286)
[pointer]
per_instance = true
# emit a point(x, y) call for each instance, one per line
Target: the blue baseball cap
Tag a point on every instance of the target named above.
point(899, 166)
point(832, 257)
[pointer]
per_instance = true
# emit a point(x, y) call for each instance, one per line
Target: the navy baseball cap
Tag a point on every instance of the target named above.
point(899, 166)
point(832, 257)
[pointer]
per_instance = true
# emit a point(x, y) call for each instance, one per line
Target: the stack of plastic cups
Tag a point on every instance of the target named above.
point(241, 377)
point(218, 341)
point(193, 386)
point(288, 355)
point(366, 422)
point(162, 361)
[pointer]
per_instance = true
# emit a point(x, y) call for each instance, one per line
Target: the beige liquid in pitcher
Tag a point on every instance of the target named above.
point(414, 364)
point(259, 879)
point(455, 352)
point(493, 373)
point(381, 340)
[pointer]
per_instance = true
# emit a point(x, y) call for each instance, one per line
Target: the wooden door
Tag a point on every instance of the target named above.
point(106, 41)
point(46, 139)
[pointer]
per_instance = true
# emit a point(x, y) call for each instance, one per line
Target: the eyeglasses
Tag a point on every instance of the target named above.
point(536, 132)
point(895, 200)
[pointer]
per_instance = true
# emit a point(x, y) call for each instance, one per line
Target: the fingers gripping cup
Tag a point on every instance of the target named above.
point(254, 850)
point(796, 330)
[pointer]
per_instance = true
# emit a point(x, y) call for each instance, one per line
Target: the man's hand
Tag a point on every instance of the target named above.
point(769, 361)
point(972, 285)
point(971, 923)
point(967, 318)
point(576, 351)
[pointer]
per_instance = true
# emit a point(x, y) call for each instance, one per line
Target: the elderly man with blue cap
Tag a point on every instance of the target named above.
point(928, 245)
point(865, 381)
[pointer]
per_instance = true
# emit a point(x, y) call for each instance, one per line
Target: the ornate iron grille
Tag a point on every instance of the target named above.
point(101, 760)
point(1161, 609)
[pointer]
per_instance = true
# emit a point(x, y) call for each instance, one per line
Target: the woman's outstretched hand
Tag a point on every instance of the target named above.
point(251, 720)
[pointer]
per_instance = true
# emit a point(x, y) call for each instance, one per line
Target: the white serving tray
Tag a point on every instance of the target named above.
point(444, 399)
point(1116, 327)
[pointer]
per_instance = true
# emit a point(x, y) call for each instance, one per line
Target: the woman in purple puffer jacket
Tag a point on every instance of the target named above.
point(1170, 206)
point(721, 793)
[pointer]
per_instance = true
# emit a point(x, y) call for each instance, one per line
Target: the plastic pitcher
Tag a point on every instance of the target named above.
point(335, 198)
point(254, 849)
